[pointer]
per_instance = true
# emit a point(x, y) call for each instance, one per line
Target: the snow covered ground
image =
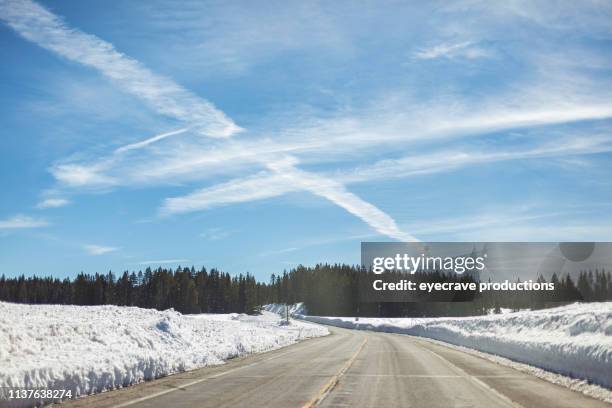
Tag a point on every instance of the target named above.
point(574, 340)
point(90, 349)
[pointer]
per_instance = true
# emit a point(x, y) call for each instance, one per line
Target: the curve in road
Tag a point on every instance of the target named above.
point(349, 368)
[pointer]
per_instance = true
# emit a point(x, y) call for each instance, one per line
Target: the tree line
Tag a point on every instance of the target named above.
point(326, 289)
point(185, 289)
point(337, 290)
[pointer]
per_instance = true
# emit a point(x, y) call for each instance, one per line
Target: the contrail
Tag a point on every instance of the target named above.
point(38, 25)
point(143, 143)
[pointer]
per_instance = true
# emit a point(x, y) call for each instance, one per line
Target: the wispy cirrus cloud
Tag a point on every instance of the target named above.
point(21, 222)
point(100, 174)
point(273, 152)
point(93, 249)
point(285, 177)
point(88, 175)
point(268, 184)
point(37, 24)
point(351, 137)
point(315, 141)
point(52, 203)
point(261, 186)
point(465, 49)
point(447, 160)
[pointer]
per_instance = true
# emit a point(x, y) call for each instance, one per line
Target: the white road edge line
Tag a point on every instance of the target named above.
point(477, 381)
point(432, 376)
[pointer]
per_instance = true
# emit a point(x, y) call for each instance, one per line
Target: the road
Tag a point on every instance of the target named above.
point(349, 368)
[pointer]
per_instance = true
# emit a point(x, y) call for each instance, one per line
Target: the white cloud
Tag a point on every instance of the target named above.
point(385, 127)
point(389, 128)
point(52, 203)
point(286, 178)
point(283, 180)
point(38, 25)
point(261, 186)
point(82, 175)
point(453, 159)
point(35, 23)
point(499, 119)
point(22, 221)
point(99, 249)
point(466, 49)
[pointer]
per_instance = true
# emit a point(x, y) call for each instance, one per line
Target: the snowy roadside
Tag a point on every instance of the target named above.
point(90, 349)
point(295, 309)
point(578, 385)
point(573, 340)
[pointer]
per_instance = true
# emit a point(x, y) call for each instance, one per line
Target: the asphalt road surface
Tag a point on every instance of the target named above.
point(349, 368)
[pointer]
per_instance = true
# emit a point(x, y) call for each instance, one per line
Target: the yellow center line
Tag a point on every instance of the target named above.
point(206, 378)
point(329, 386)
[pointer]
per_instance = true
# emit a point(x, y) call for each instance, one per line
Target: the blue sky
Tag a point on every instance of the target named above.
point(254, 137)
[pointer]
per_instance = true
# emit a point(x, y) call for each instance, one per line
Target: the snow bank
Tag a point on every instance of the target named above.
point(89, 349)
point(574, 340)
